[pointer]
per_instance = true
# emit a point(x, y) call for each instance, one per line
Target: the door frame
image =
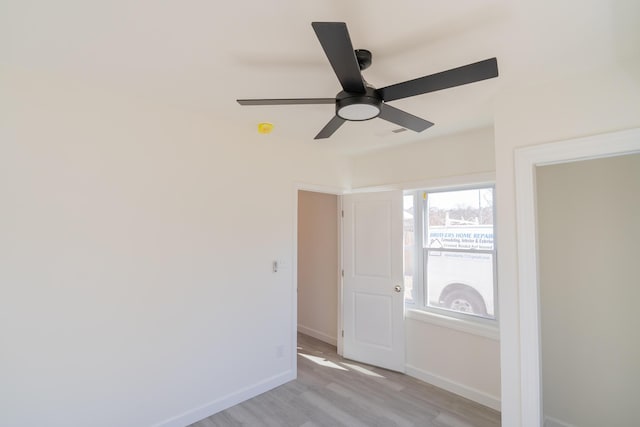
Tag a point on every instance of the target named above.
point(337, 191)
point(526, 161)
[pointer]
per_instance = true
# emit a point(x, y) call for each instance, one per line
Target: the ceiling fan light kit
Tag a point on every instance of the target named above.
point(359, 101)
point(358, 107)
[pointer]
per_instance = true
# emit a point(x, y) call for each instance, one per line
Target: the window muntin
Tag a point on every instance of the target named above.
point(453, 232)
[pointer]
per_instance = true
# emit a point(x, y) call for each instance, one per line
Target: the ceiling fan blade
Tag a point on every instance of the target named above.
point(475, 72)
point(336, 43)
point(330, 127)
point(286, 101)
point(404, 119)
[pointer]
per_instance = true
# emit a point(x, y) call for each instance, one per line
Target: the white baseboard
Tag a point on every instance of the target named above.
point(317, 334)
point(454, 387)
point(196, 414)
point(554, 422)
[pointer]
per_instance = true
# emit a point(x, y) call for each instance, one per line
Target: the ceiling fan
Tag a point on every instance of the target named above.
point(359, 100)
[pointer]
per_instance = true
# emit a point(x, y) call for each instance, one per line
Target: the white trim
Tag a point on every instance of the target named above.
point(554, 422)
point(319, 188)
point(340, 339)
point(465, 391)
point(196, 414)
point(293, 354)
point(318, 335)
point(462, 325)
point(459, 181)
point(526, 161)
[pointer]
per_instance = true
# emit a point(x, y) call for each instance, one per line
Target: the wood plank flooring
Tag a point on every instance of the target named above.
point(335, 392)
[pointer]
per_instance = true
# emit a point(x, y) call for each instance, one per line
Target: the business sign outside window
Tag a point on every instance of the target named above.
point(453, 249)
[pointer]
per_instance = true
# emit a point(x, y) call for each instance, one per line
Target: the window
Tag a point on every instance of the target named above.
point(449, 251)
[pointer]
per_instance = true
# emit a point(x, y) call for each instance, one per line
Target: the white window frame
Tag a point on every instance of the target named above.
point(418, 309)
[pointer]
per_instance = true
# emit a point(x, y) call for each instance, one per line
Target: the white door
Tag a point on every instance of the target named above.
point(373, 304)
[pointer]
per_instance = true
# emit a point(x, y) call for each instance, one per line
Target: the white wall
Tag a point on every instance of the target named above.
point(588, 234)
point(460, 154)
point(592, 87)
point(136, 245)
point(318, 265)
point(461, 362)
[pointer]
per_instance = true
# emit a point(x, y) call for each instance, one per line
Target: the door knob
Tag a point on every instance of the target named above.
point(398, 288)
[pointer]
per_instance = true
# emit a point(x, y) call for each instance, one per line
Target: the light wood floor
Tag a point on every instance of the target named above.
point(332, 391)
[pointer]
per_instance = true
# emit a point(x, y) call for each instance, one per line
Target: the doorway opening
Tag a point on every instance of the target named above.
point(527, 161)
point(318, 265)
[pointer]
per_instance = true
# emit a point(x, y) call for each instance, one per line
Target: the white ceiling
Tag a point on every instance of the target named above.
point(202, 55)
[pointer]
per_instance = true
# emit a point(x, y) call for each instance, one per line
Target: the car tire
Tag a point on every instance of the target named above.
point(465, 302)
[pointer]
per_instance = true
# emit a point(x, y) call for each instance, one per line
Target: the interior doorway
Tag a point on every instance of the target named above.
point(527, 161)
point(588, 234)
point(318, 255)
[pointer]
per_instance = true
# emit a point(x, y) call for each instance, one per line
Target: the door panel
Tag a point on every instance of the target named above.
point(373, 309)
point(373, 323)
point(372, 242)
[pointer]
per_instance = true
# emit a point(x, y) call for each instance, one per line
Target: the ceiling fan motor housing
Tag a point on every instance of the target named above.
point(359, 106)
point(364, 58)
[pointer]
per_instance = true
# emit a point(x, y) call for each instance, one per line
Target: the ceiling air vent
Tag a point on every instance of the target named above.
point(399, 130)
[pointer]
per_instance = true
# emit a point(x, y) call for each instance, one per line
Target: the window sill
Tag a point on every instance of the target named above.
point(467, 326)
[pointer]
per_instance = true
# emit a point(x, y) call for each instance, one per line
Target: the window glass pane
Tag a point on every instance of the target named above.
point(409, 246)
point(459, 219)
point(460, 281)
